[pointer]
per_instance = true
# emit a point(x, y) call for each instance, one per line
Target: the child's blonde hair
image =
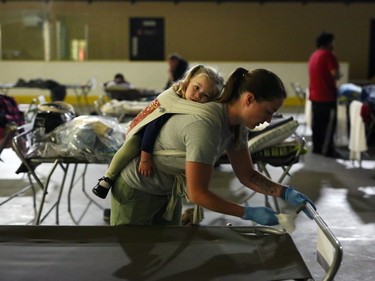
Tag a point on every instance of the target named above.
point(210, 73)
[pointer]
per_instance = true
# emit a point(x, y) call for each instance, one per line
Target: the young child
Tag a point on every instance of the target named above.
point(200, 84)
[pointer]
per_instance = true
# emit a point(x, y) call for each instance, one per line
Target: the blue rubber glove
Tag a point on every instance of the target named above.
point(296, 198)
point(260, 215)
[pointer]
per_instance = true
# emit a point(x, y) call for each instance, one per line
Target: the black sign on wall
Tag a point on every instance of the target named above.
point(146, 39)
point(371, 70)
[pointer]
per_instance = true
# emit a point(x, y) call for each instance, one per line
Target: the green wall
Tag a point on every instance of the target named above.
point(198, 30)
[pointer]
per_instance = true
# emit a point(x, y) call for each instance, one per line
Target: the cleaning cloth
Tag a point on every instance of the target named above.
point(286, 221)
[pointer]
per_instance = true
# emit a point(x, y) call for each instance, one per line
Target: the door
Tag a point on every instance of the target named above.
point(371, 71)
point(146, 39)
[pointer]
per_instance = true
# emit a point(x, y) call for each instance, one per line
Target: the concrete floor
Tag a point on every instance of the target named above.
point(343, 191)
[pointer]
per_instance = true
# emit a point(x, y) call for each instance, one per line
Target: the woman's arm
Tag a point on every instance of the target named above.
point(198, 178)
point(248, 176)
point(244, 169)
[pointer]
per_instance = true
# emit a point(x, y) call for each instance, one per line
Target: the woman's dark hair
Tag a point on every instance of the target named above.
point(263, 84)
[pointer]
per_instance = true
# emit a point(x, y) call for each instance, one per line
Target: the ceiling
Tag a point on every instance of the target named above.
point(214, 1)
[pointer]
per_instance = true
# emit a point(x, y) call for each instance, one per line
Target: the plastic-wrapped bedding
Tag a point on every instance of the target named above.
point(94, 139)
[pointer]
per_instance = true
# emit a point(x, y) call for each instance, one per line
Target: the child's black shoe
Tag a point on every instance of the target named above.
point(100, 190)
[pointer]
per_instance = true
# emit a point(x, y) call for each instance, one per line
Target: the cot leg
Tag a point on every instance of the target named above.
point(71, 187)
point(84, 189)
point(73, 182)
point(45, 191)
point(34, 195)
point(57, 204)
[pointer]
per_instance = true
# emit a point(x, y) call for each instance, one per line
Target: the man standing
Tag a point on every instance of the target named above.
point(323, 73)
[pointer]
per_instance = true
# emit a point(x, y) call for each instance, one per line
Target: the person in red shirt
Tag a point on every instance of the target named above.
point(323, 72)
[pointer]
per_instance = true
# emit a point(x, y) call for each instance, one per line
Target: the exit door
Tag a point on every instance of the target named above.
point(146, 39)
point(371, 70)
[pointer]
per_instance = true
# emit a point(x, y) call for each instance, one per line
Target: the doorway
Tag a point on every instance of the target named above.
point(371, 70)
point(146, 39)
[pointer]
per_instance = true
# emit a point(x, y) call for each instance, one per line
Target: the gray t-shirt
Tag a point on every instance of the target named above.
point(203, 139)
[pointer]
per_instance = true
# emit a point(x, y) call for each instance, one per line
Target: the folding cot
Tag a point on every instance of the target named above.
point(20, 144)
point(119, 93)
point(161, 253)
point(58, 91)
point(119, 109)
point(34, 149)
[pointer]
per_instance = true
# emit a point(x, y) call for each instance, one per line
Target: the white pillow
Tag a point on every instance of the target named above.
point(272, 137)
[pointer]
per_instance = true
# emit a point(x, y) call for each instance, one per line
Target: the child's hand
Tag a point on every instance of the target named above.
point(145, 164)
point(145, 168)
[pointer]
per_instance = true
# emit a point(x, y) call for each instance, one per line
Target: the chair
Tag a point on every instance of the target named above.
point(304, 104)
point(11, 130)
point(32, 109)
point(6, 143)
point(284, 156)
point(300, 92)
point(6, 135)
